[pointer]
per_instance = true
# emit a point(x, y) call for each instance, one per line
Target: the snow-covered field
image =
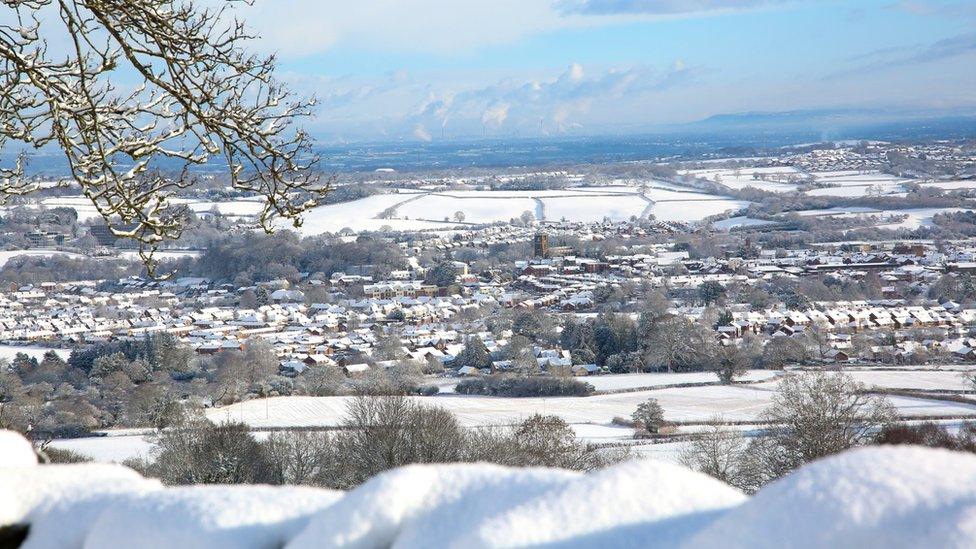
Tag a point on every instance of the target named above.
point(417, 211)
point(361, 215)
point(686, 404)
point(594, 208)
point(852, 191)
point(916, 217)
point(692, 209)
point(420, 210)
point(477, 208)
point(109, 449)
point(952, 185)
point(772, 179)
point(786, 179)
point(926, 380)
point(854, 183)
point(8, 352)
point(615, 382)
point(86, 210)
point(7, 255)
point(740, 221)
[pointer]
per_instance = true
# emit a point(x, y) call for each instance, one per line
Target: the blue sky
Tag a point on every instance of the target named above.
point(441, 69)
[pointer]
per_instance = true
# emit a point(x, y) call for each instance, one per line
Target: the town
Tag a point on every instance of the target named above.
point(793, 272)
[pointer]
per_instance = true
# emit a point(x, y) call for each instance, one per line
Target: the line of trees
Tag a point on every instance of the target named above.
point(376, 434)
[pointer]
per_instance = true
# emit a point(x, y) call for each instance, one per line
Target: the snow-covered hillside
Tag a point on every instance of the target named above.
point(872, 497)
point(414, 210)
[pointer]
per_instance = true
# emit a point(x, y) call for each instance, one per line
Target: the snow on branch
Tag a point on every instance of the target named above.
point(201, 98)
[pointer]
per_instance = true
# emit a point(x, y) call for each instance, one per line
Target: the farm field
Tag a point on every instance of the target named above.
point(963, 184)
point(410, 209)
point(916, 217)
point(635, 381)
point(686, 404)
point(7, 255)
point(8, 352)
point(244, 207)
point(740, 221)
point(771, 179)
point(923, 380)
point(590, 417)
point(854, 183)
point(429, 210)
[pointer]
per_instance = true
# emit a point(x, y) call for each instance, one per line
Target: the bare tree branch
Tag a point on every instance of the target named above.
point(201, 97)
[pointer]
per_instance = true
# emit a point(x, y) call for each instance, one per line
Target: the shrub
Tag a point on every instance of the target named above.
point(622, 421)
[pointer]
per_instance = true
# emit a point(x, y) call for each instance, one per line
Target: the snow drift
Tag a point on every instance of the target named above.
point(871, 497)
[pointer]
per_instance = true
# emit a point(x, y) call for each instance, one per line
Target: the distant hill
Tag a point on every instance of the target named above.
point(844, 123)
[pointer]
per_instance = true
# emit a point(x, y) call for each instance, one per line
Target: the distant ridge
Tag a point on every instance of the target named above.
point(839, 120)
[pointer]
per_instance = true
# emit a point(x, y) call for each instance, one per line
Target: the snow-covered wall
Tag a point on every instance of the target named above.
point(872, 497)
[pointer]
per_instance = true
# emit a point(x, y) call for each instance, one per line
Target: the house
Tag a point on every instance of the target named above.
point(292, 368)
point(837, 355)
point(964, 352)
point(585, 369)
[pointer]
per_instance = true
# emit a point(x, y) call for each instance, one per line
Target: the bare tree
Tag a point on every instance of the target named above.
point(818, 340)
point(969, 377)
point(814, 415)
point(720, 453)
point(538, 441)
point(783, 350)
point(200, 97)
point(260, 361)
point(300, 457)
point(387, 432)
point(676, 343)
point(201, 452)
point(729, 363)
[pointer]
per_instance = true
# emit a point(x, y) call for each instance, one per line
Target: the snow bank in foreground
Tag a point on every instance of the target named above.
point(209, 517)
point(411, 506)
point(873, 497)
point(622, 506)
point(15, 450)
point(45, 494)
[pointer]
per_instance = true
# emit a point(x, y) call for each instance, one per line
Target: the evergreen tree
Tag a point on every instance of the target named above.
point(473, 354)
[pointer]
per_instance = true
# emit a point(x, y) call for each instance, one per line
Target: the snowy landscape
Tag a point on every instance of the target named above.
point(540, 274)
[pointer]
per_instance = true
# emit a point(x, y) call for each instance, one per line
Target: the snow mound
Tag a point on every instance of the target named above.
point(66, 522)
point(417, 506)
point(871, 497)
point(622, 506)
point(213, 516)
point(25, 491)
point(15, 450)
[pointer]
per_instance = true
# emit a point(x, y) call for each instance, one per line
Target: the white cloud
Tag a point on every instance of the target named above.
point(421, 133)
point(301, 27)
point(546, 104)
point(495, 115)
